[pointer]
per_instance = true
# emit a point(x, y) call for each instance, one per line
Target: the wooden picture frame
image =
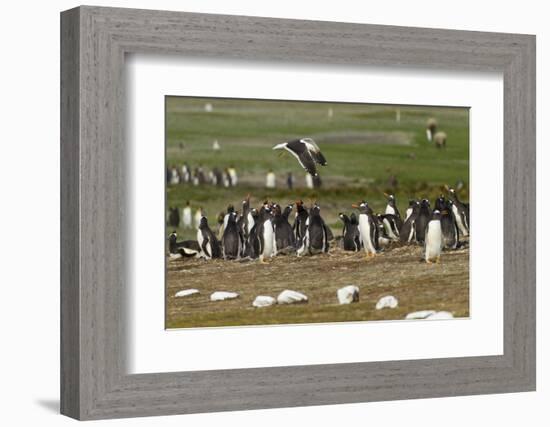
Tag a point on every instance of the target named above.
point(94, 382)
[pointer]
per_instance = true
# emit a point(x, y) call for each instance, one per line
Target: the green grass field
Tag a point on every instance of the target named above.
point(364, 145)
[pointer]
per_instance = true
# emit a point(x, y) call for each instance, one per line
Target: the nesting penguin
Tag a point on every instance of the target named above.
point(433, 241)
point(208, 242)
point(368, 229)
point(187, 248)
point(232, 241)
point(407, 233)
point(315, 240)
point(424, 215)
point(285, 242)
point(350, 234)
point(461, 213)
point(392, 225)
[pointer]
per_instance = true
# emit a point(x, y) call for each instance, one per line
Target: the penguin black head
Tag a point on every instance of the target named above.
point(343, 217)
point(440, 203)
point(391, 198)
point(353, 218)
point(230, 209)
point(363, 207)
point(315, 210)
point(173, 236)
point(425, 203)
point(412, 202)
point(203, 222)
point(436, 215)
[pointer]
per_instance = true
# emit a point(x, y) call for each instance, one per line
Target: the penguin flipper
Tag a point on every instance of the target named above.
point(205, 247)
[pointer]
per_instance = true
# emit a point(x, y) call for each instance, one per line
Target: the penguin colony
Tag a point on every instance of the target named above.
point(265, 232)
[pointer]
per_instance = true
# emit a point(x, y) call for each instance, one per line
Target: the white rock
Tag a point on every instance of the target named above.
point(440, 315)
point(291, 297)
point(348, 294)
point(222, 295)
point(264, 301)
point(389, 301)
point(420, 314)
point(186, 293)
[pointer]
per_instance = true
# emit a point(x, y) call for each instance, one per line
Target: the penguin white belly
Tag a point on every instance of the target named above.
point(389, 230)
point(459, 222)
point(408, 213)
point(365, 232)
point(434, 240)
point(250, 223)
point(390, 210)
point(268, 239)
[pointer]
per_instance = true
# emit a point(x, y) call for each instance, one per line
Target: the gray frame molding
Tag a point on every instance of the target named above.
point(94, 41)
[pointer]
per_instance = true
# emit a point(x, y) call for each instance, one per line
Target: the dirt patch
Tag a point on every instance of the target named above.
point(398, 271)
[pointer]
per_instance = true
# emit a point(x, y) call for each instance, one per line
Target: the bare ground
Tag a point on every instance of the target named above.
point(399, 271)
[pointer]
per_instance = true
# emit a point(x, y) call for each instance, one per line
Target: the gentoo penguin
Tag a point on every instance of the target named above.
point(198, 217)
point(187, 216)
point(264, 234)
point(391, 225)
point(461, 212)
point(306, 151)
point(431, 128)
point(424, 215)
point(285, 241)
point(209, 244)
point(287, 211)
point(350, 233)
point(187, 248)
point(433, 241)
point(315, 240)
point(409, 210)
point(449, 228)
point(368, 228)
point(174, 217)
point(245, 224)
point(391, 207)
point(230, 210)
point(300, 221)
point(231, 239)
point(253, 243)
point(408, 230)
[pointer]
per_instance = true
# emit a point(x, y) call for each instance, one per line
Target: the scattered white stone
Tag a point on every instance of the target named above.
point(348, 294)
point(388, 301)
point(263, 301)
point(420, 314)
point(222, 295)
point(441, 315)
point(187, 292)
point(291, 297)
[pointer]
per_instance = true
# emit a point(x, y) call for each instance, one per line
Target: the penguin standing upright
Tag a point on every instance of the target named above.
point(187, 216)
point(391, 225)
point(245, 224)
point(391, 207)
point(232, 239)
point(449, 228)
point(350, 233)
point(287, 211)
point(209, 244)
point(300, 222)
point(315, 240)
point(284, 237)
point(461, 212)
point(174, 217)
point(253, 244)
point(424, 215)
point(265, 235)
point(407, 233)
point(409, 210)
point(433, 240)
point(187, 248)
point(368, 228)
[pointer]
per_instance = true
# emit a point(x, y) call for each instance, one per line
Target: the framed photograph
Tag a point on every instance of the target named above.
point(261, 213)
